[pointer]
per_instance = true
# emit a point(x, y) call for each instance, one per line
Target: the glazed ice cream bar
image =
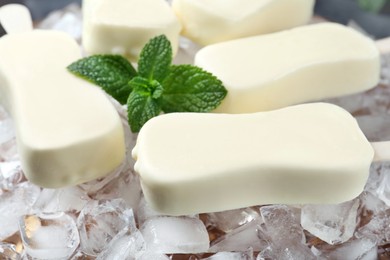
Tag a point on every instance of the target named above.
point(67, 130)
point(125, 26)
point(212, 21)
point(290, 67)
point(191, 163)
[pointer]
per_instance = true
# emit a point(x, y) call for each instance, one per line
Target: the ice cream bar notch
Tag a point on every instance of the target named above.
point(192, 163)
point(304, 64)
point(67, 130)
point(212, 21)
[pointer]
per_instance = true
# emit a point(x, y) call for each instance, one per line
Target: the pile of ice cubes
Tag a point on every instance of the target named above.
point(108, 218)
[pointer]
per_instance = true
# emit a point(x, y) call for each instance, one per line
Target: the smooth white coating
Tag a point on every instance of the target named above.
point(212, 21)
point(15, 18)
point(299, 65)
point(191, 163)
point(125, 26)
point(67, 130)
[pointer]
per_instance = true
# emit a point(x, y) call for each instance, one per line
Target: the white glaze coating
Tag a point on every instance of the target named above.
point(191, 163)
point(67, 130)
point(299, 65)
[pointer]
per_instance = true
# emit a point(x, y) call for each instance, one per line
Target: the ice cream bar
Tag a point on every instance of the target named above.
point(192, 163)
point(125, 26)
point(212, 21)
point(15, 18)
point(67, 130)
point(298, 65)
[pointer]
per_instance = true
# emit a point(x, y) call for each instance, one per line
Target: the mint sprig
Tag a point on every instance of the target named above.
point(111, 72)
point(158, 86)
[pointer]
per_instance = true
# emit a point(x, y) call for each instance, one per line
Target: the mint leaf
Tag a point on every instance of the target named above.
point(110, 72)
point(155, 59)
point(141, 107)
point(191, 89)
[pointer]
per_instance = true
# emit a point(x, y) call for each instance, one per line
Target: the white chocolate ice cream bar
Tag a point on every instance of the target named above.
point(192, 163)
point(67, 130)
point(212, 21)
point(125, 26)
point(299, 65)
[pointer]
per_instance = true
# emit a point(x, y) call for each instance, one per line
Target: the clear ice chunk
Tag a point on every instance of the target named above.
point(333, 224)
point(8, 252)
point(232, 219)
point(11, 174)
point(286, 253)
point(7, 131)
point(126, 186)
point(362, 249)
point(128, 244)
point(100, 221)
point(282, 224)
point(378, 227)
point(171, 235)
point(9, 151)
point(240, 239)
point(64, 199)
point(248, 255)
point(284, 234)
point(148, 255)
point(14, 204)
point(49, 236)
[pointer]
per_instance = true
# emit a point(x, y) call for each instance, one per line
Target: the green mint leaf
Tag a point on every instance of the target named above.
point(191, 89)
point(141, 106)
point(155, 59)
point(110, 72)
point(153, 87)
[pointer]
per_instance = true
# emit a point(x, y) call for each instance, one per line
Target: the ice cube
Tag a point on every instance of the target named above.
point(363, 249)
point(148, 255)
point(11, 174)
point(383, 186)
point(333, 224)
point(175, 235)
point(7, 131)
point(8, 252)
point(81, 256)
point(232, 219)
point(49, 236)
point(64, 199)
point(248, 255)
point(9, 151)
point(286, 253)
point(378, 227)
point(126, 186)
point(240, 239)
point(100, 221)
point(128, 244)
point(282, 223)
point(283, 232)
point(14, 204)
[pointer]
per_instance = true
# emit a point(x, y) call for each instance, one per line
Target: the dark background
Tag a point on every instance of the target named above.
point(341, 11)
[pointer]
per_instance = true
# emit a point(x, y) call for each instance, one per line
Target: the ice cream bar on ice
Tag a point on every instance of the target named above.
point(67, 130)
point(125, 26)
point(211, 21)
point(290, 67)
point(312, 153)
